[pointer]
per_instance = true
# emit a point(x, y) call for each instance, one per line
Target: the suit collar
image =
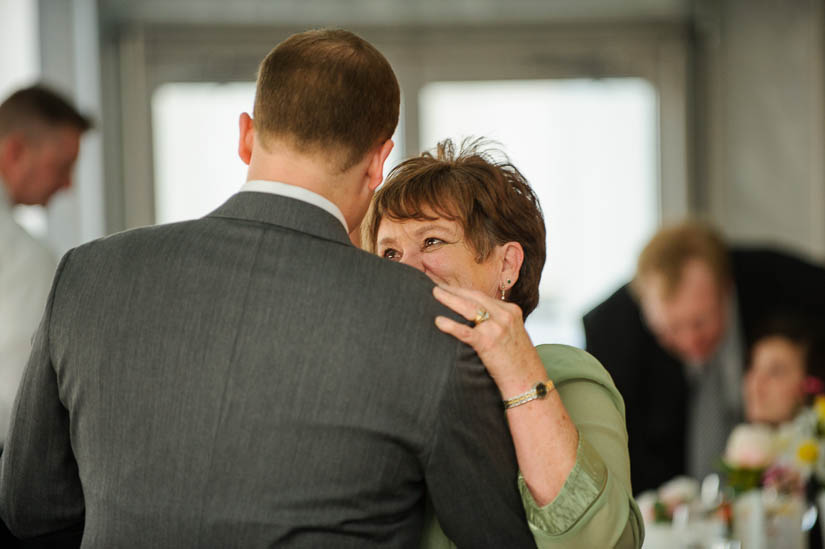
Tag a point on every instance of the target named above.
point(294, 191)
point(283, 211)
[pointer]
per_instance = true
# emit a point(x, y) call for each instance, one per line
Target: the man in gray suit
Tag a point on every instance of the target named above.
point(251, 379)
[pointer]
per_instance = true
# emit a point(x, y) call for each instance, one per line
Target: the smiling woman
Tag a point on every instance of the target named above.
point(474, 226)
point(436, 248)
point(479, 204)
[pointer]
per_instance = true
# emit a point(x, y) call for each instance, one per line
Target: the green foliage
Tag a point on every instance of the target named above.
point(660, 512)
point(742, 479)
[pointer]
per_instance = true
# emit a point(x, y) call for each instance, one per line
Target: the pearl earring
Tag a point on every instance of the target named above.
point(503, 287)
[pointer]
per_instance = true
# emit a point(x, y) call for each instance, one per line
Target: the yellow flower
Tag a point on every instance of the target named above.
point(808, 451)
point(819, 406)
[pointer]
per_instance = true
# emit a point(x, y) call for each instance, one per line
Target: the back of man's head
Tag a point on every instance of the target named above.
point(36, 107)
point(329, 92)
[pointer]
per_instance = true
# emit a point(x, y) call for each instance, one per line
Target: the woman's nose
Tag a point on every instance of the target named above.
point(413, 259)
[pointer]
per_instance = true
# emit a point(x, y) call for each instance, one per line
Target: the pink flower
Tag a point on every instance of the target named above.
point(813, 386)
point(783, 479)
point(750, 447)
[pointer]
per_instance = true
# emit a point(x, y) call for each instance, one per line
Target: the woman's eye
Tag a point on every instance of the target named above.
point(432, 241)
point(391, 254)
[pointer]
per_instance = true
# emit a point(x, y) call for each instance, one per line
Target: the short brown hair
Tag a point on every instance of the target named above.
point(327, 91)
point(673, 246)
point(38, 104)
point(490, 199)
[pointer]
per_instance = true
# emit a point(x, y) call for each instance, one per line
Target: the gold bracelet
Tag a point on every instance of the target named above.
point(539, 391)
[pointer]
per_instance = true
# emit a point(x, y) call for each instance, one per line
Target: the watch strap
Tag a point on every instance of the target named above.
point(538, 391)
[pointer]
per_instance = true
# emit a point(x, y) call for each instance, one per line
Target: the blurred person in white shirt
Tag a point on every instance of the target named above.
point(40, 135)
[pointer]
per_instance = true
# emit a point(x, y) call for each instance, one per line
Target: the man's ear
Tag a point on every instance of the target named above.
point(12, 151)
point(247, 138)
point(512, 259)
point(12, 147)
point(375, 171)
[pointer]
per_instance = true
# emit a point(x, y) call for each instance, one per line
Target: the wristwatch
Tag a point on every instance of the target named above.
point(539, 391)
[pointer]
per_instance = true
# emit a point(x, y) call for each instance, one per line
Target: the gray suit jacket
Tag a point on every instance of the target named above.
point(250, 379)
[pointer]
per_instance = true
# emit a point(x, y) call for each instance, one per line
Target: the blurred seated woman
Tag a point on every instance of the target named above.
point(474, 226)
point(784, 370)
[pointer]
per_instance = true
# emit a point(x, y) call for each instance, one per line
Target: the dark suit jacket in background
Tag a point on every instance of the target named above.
point(251, 379)
point(653, 382)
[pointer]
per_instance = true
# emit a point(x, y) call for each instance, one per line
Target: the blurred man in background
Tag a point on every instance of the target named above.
point(39, 140)
point(674, 340)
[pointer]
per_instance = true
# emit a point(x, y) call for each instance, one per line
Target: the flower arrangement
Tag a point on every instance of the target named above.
point(750, 451)
point(659, 506)
point(783, 459)
point(769, 476)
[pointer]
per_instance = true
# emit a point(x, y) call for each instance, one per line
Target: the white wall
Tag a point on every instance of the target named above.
point(70, 60)
point(764, 136)
point(19, 47)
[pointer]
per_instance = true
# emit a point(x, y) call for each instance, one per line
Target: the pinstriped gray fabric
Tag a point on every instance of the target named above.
point(248, 380)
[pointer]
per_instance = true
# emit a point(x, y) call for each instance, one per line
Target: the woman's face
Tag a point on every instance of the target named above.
point(774, 384)
point(438, 249)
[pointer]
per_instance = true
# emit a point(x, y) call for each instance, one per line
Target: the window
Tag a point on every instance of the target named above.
point(195, 129)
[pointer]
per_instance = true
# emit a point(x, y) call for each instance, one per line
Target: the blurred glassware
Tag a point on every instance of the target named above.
point(766, 519)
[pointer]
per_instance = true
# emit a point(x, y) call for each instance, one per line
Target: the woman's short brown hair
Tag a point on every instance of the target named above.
point(490, 199)
point(327, 91)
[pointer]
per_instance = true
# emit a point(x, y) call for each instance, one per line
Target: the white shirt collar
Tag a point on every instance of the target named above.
point(298, 193)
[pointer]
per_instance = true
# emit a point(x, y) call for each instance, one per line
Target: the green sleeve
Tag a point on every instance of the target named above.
point(595, 507)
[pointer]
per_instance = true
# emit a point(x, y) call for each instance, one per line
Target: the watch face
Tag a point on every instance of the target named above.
point(541, 390)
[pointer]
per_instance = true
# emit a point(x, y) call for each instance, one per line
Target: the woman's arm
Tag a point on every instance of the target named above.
point(595, 508)
point(564, 441)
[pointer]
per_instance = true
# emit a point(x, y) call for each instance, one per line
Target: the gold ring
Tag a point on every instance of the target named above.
point(481, 316)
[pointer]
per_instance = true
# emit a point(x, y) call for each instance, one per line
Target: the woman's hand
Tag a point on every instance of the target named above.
point(544, 437)
point(501, 341)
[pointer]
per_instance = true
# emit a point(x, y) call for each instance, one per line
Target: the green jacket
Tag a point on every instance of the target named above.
point(595, 508)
